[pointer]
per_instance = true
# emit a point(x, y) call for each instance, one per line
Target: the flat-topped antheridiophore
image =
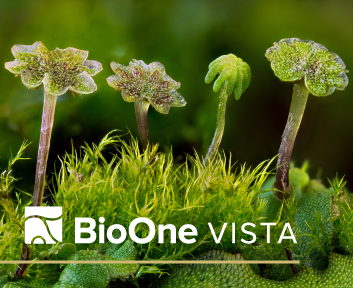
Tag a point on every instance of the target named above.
point(58, 70)
point(146, 85)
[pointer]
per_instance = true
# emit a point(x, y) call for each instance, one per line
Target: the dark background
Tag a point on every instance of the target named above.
point(184, 35)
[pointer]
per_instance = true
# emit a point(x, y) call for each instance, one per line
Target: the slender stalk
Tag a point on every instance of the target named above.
point(21, 269)
point(141, 109)
point(289, 256)
point(220, 126)
point(299, 98)
point(43, 152)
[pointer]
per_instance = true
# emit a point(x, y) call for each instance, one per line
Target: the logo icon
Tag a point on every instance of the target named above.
point(37, 228)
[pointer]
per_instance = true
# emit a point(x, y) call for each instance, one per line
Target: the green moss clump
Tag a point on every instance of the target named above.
point(314, 221)
point(98, 275)
point(149, 184)
point(338, 274)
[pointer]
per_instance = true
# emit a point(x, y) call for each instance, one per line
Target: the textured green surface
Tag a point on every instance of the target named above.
point(58, 70)
point(299, 179)
point(232, 71)
point(312, 214)
point(86, 275)
point(314, 217)
point(99, 276)
point(138, 81)
point(293, 59)
point(3, 280)
point(338, 274)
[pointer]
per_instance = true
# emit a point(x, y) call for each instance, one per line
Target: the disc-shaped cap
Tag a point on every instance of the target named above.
point(59, 70)
point(139, 80)
point(293, 59)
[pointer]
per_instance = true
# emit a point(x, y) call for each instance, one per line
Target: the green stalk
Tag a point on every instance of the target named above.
point(216, 141)
point(43, 152)
point(299, 98)
point(141, 109)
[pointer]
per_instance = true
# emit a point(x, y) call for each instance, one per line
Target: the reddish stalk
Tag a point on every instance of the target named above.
point(299, 98)
point(43, 152)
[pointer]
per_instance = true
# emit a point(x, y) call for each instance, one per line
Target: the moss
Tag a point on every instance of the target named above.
point(338, 274)
point(149, 184)
point(96, 275)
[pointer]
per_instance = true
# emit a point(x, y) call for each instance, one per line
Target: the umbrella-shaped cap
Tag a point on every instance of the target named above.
point(139, 80)
point(293, 59)
point(59, 70)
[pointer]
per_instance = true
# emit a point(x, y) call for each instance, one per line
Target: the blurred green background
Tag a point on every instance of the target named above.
point(184, 35)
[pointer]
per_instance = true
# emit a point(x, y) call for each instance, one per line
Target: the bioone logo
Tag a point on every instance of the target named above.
point(37, 227)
